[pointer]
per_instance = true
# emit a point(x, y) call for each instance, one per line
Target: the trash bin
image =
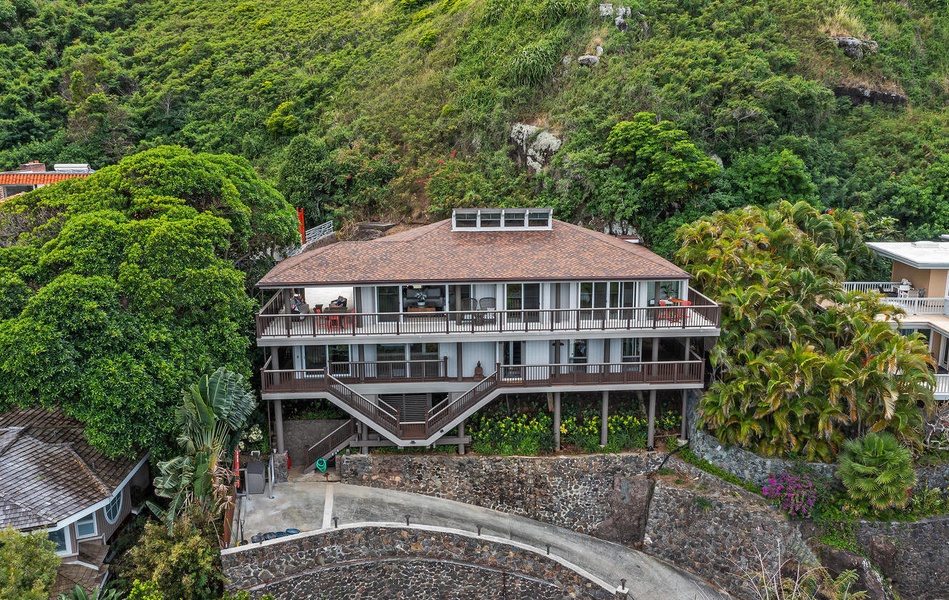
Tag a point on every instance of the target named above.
point(255, 478)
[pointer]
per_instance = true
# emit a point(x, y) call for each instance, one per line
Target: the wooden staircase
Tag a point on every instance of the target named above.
point(420, 428)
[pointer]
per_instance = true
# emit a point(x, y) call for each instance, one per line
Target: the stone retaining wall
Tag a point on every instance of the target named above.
point(716, 530)
point(391, 562)
point(913, 556)
point(576, 492)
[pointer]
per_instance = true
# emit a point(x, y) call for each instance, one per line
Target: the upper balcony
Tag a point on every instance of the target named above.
point(912, 300)
point(698, 316)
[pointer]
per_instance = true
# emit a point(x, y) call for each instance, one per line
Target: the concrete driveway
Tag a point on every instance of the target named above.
point(311, 506)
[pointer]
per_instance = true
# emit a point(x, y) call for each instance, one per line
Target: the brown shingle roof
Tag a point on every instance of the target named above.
point(48, 471)
point(435, 253)
point(22, 178)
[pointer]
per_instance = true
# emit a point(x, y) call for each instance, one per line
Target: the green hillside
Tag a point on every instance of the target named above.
point(403, 108)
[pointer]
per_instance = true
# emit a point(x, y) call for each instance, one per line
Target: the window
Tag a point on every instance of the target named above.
point(86, 527)
point(514, 219)
point(466, 220)
point(113, 509)
point(60, 537)
point(490, 219)
point(536, 218)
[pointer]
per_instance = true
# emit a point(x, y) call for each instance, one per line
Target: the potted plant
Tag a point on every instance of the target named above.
point(420, 297)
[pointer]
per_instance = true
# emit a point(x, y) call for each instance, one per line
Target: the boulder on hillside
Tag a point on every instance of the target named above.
point(534, 148)
point(837, 561)
point(855, 47)
point(588, 60)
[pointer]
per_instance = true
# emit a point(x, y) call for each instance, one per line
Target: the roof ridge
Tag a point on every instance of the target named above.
point(88, 469)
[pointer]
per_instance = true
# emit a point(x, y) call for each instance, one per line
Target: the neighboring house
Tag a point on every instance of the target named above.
point(34, 175)
point(52, 479)
point(440, 320)
point(920, 286)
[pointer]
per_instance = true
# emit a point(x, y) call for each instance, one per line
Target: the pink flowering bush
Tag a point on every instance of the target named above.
point(795, 494)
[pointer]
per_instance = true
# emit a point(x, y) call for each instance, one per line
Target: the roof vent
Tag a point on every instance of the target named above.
point(72, 168)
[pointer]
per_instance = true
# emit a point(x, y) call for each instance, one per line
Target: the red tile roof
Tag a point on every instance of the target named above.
point(21, 178)
point(436, 254)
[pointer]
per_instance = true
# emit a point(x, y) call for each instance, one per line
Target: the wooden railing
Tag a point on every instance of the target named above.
point(446, 411)
point(379, 412)
point(313, 380)
point(473, 322)
point(325, 447)
point(691, 371)
point(393, 370)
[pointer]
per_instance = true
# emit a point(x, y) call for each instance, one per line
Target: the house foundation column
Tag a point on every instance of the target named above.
point(604, 420)
point(556, 420)
point(685, 415)
point(651, 436)
point(363, 436)
point(278, 425)
point(461, 434)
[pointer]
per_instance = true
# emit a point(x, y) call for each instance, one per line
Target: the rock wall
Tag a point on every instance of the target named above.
point(747, 465)
point(388, 562)
point(913, 556)
point(716, 530)
point(577, 492)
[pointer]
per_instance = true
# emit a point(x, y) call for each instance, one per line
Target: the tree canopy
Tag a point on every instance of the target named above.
point(801, 366)
point(404, 108)
point(120, 289)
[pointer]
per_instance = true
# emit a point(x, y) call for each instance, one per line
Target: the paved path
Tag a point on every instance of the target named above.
point(310, 506)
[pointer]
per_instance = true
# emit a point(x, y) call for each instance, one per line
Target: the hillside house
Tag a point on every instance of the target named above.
point(34, 175)
point(434, 323)
point(920, 286)
point(52, 480)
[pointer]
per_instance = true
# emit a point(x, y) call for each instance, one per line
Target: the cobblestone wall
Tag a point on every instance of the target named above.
point(914, 556)
point(714, 529)
point(387, 562)
point(575, 492)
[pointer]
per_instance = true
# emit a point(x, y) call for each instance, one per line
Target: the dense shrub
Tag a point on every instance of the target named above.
point(795, 494)
point(877, 471)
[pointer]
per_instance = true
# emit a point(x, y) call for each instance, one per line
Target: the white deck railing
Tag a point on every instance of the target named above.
point(870, 286)
point(941, 392)
point(920, 306)
point(311, 235)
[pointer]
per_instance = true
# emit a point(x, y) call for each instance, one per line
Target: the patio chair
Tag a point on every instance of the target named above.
point(468, 308)
point(488, 304)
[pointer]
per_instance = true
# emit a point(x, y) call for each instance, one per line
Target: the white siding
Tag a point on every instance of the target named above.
point(482, 351)
point(448, 350)
point(594, 351)
point(537, 352)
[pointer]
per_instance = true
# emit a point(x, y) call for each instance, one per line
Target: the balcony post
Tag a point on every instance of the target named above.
point(604, 419)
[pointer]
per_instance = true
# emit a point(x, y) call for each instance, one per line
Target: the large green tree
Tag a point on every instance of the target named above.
point(28, 564)
point(121, 288)
point(801, 366)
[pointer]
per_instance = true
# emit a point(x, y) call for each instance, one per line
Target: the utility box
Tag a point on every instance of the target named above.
point(255, 478)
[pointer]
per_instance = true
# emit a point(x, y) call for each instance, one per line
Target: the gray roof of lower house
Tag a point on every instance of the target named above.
point(49, 472)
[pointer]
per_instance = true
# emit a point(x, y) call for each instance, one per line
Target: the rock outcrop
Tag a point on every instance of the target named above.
point(534, 147)
point(855, 47)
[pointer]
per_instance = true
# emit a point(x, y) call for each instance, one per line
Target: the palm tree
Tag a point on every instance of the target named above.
point(212, 414)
